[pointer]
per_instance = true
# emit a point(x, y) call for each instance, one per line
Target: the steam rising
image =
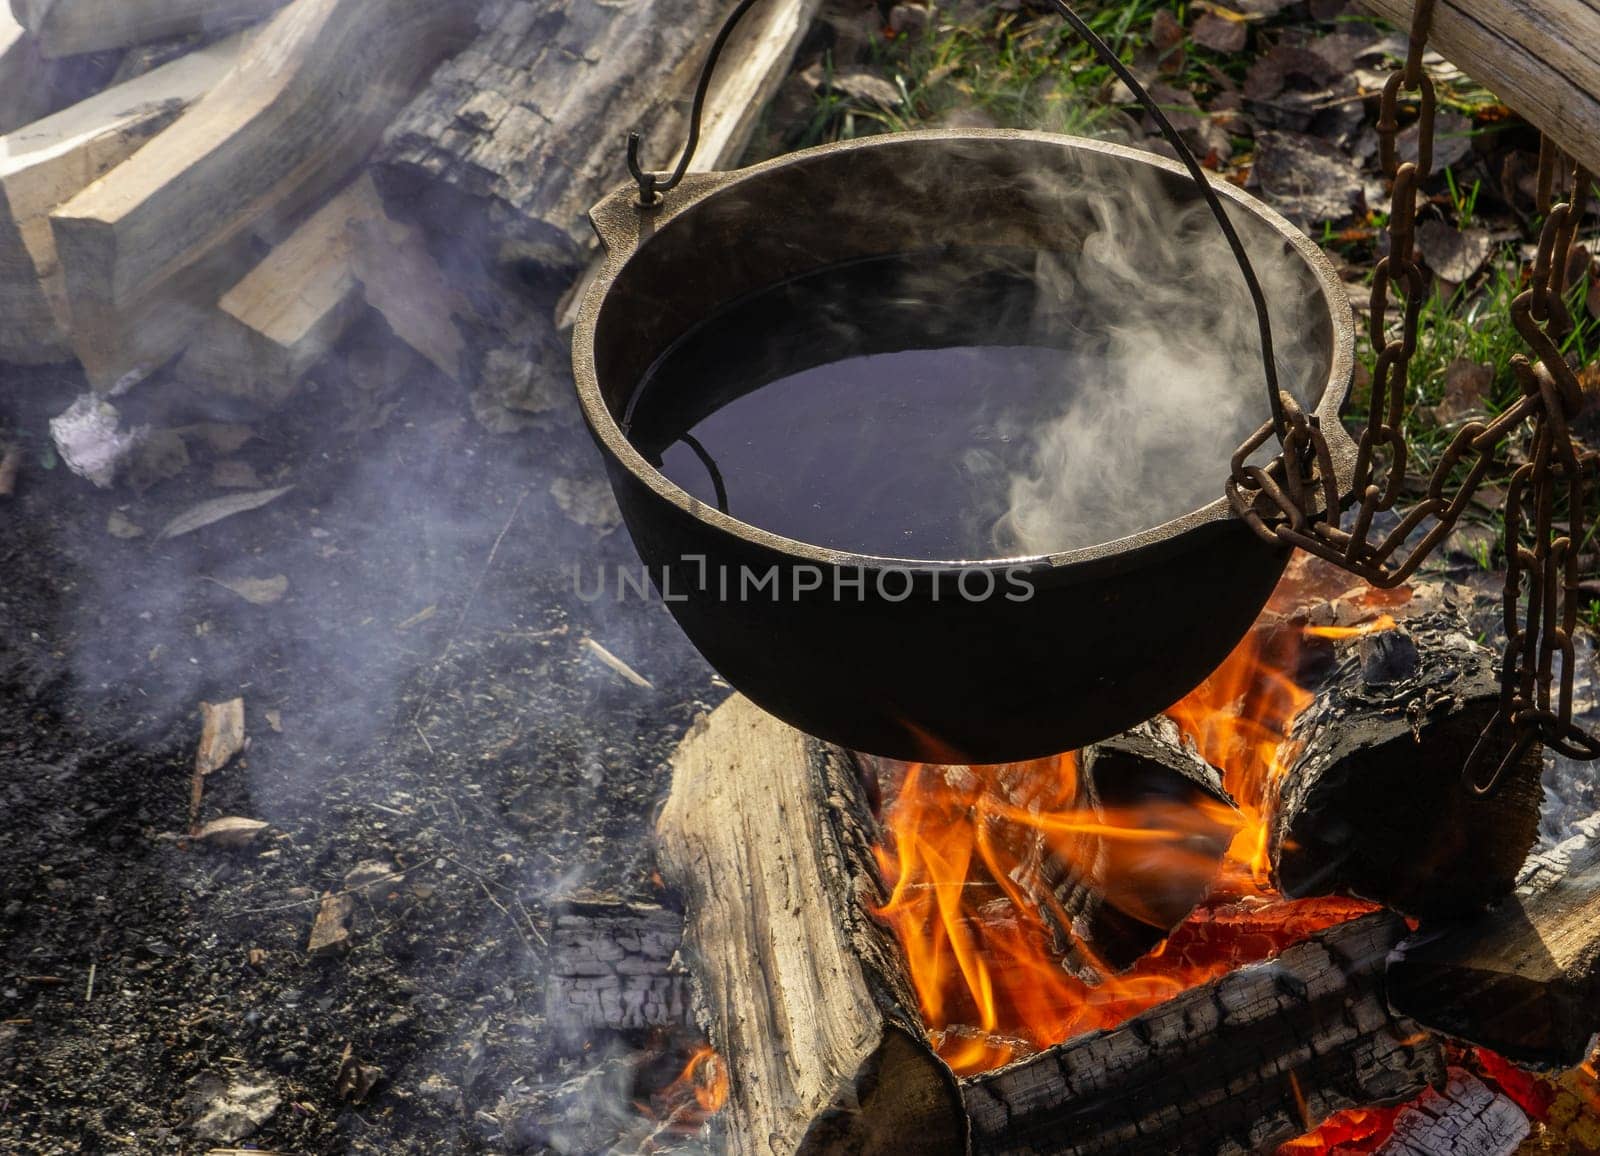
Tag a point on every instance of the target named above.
point(1170, 380)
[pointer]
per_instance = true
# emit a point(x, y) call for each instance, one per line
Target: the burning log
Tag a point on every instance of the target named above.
point(50, 161)
point(1522, 980)
point(1465, 1119)
point(767, 834)
point(1240, 1065)
point(613, 966)
point(69, 27)
point(500, 152)
point(1105, 885)
point(148, 249)
point(1373, 804)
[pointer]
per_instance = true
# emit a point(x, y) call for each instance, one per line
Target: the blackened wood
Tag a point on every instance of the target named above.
point(1239, 1065)
point(1466, 1118)
point(768, 836)
point(613, 966)
point(1374, 804)
point(1522, 980)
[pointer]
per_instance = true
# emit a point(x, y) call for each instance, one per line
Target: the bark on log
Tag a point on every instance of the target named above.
point(149, 249)
point(1541, 56)
point(1467, 1118)
point(1522, 980)
point(271, 328)
point(613, 967)
point(52, 160)
point(69, 27)
point(500, 158)
point(767, 835)
point(1240, 1065)
point(1373, 804)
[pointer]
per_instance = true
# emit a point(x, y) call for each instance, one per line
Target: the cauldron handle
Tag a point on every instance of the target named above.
point(653, 184)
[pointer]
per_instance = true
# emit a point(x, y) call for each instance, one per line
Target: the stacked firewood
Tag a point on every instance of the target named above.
point(243, 179)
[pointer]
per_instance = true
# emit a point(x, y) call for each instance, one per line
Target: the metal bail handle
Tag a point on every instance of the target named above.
point(653, 184)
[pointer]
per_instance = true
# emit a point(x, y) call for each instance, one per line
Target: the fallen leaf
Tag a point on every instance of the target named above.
point(1452, 141)
point(1307, 179)
point(330, 929)
point(372, 879)
point(1273, 72)
point(1453, 255)
point(221, 437)
point(118, 525)
point(1220, 34)
point(274, 719)
point(256, 591)
point(355, 1081)
point(866, 88)
point(221, 734)
point(1466, 386)
point(231, 1107)
point(215, 510)
point(158, 454)
point(232, 832)
point(588, 503)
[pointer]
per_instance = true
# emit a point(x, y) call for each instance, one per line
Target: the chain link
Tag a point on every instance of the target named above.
point(1295, 499)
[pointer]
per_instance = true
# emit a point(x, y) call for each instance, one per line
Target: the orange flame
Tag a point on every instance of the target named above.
point(962, 848)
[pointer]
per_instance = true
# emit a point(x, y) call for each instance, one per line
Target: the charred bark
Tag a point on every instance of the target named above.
point(613, 966)
point(1239, 1065)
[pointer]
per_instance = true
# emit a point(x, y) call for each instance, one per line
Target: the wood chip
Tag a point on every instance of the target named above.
point(355, 1080)
point(10, 463)
point(256, 591)
point(119, 525)
point(274, 720)
point(221, 734)
point(330, 930)
point(626, 672)
point(231, 832)
point(419, 617)
point(215, 510)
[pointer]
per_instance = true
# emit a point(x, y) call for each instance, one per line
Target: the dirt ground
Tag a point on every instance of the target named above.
point(440, 714)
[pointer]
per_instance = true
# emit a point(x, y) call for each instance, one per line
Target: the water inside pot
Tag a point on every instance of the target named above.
point(950, 403)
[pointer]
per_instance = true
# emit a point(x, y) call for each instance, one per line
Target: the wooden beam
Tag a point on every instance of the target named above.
point(286, 314)
point(1542, 57)
point(69, 27)
point(48, 162)
point(149, 249)
point(767, 835)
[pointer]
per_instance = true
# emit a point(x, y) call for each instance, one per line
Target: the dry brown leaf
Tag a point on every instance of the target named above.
point(232, 474)
point(215, 510)
point(1220, 34)
point(256, 591)
point(232, 831)
point(221, 734)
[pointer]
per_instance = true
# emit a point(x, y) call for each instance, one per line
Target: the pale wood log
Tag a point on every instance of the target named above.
point(69, 27)
point(25, 76)
point(613, 966)
point(1373, 804)
point(50, 161)
point(148, 249)
point(767, 835)
point(271, 328)
point(1466, 1118)
point(1542, 57)
point(502, 155)
point(1239, 1065)
point(1522, 980)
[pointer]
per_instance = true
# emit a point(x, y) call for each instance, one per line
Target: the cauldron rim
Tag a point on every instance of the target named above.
point(624, 231)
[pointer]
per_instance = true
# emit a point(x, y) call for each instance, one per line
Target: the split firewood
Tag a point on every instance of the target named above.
point(287, 312)
point(514, 139)
point(232, 832)
point(70, 27)
point(1241, 1064)
point(767, 835)
point(400, 279)
point(1466, 1118)
point(50, 161)
point(1373, 804)
point(1537, 57)
point(613, 966)
point(221, 737)
point(1522, 980)
point(148, 250)
point(26, 77)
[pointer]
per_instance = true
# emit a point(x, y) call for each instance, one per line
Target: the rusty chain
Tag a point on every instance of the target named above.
point(1295, 499)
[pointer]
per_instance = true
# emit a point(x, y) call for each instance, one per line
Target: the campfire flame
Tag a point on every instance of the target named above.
point(978, 943)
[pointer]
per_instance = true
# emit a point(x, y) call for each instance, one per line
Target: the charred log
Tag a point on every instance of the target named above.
point(1466, 1118)
point(1239, 1065)
point(1522, 980)
point(613, 966)
point(1373, 804)
point(768, 834)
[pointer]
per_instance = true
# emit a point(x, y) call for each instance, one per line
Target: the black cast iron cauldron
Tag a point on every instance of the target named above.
point(899, 664)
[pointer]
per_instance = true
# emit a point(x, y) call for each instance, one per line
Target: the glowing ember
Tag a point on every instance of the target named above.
point(697, 1094)
point(958, 844)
